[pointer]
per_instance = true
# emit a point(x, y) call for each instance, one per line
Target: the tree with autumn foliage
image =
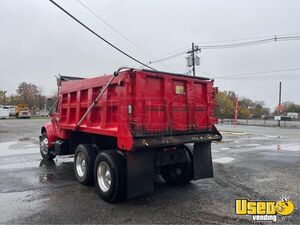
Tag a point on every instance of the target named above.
point(225, 101)
point(291, 107)
point(32, 95)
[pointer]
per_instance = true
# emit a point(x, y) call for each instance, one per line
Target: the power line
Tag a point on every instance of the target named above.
point(96, 34)
point(245, 39)
point(118, 32)
point(211, 74)
point(233, 45)
point(264, 77)
point(111, 27)
point(261, 72)
point(250, 43)
point(238, 39)
point(168, 57)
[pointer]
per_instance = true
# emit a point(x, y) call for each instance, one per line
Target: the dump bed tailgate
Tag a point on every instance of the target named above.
point(169, 104)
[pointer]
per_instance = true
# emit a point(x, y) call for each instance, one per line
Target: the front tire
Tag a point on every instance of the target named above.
point(179, 173)
point(84, 160)
point(45, 150)
point(110, 176)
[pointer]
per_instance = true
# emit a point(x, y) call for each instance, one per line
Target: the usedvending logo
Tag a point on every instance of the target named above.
point(264, 210)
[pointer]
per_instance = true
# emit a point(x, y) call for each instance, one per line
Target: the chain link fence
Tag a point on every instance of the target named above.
point(256, 122)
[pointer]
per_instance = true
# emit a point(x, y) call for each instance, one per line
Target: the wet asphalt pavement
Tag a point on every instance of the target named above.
point(250, 162)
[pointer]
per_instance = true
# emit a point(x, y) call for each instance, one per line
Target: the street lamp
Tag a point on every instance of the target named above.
point(4, 92)
point(4, 96)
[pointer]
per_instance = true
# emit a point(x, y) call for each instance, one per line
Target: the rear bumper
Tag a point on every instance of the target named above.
point(173, 140)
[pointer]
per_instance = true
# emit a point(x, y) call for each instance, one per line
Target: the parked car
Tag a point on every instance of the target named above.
point(12, 110)
point(4, 112)
point(42, 113)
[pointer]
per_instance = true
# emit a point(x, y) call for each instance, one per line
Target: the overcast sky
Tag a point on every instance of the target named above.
point(38, 41)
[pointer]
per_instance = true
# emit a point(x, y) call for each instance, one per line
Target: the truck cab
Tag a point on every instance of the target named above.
point(22, 111)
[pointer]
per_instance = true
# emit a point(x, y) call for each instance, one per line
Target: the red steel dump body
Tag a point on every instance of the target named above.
point(124, 129)
point(139, 104)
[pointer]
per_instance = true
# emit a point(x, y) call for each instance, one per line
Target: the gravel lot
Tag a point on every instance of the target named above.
point(257, 163)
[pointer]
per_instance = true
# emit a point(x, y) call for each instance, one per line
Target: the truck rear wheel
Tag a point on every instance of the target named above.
point(179, 173)
point(45, 150)
point(110, 176)
point(84, 160)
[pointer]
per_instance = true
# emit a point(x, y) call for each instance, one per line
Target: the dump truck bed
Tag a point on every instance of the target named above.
point(140, 105)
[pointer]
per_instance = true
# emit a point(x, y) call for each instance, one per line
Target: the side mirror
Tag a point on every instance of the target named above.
point(49, 106)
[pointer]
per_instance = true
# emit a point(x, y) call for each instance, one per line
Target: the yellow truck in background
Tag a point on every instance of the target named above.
point(22, 111)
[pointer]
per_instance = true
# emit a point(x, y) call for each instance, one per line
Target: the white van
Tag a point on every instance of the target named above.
point(12, 110)
point(4, 112)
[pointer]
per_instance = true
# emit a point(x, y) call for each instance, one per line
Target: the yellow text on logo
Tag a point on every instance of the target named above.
point(245, 207)
point(282, 207)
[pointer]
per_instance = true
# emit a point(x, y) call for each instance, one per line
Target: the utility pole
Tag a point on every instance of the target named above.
point(193, 58)
point(279, 105)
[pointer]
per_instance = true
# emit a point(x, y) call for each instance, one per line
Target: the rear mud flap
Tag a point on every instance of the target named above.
point(140, 172)
point(202, 160)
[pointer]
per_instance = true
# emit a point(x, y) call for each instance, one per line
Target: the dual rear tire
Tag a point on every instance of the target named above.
point(107, 170)
point(110, 176)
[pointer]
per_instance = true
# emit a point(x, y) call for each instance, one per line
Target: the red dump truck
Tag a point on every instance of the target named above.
point(126, 128)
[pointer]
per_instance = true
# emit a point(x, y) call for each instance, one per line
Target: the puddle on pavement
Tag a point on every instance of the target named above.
point(47, 177)
point(17, 204)
point(18, 147)
point(37, 163)
point(223, 160)
point(22, 165)
point(26, 139)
